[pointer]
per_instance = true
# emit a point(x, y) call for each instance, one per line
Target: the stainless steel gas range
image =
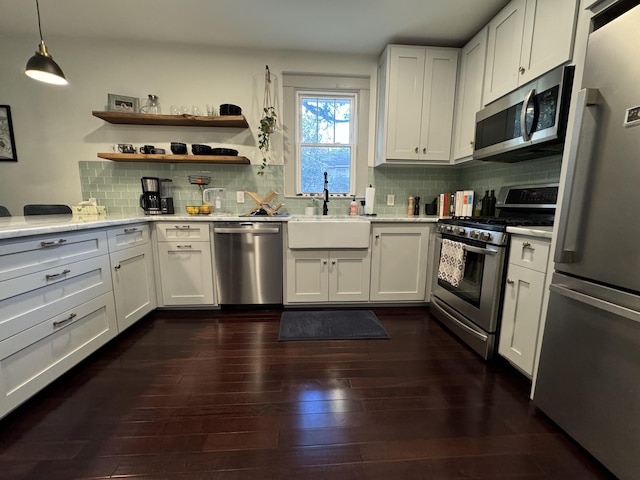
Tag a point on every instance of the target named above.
point(468, 282)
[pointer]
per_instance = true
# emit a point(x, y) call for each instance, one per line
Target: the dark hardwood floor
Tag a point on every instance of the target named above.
point(214, 395)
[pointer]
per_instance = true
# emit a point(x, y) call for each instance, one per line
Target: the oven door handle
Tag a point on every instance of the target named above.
point(481, 251)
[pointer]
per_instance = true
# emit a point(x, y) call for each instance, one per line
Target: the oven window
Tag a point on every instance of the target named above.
point(470, 288)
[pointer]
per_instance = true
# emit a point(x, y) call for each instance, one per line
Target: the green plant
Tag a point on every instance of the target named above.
point(267, 122)
point(267, 127)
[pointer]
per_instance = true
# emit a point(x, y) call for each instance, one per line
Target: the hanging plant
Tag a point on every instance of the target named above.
point(267, 122)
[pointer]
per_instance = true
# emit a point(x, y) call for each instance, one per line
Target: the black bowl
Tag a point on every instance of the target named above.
point(198, 149)
point(230, 109)
point(230, 152)
point(178, 148)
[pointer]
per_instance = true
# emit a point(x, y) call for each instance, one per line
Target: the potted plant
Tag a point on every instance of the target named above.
point(267, 122)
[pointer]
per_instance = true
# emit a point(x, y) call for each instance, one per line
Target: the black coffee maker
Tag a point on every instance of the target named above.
point(166, 196)
point(150, 198)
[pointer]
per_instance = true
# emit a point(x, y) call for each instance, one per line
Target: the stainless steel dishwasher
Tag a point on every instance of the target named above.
point(248, 262)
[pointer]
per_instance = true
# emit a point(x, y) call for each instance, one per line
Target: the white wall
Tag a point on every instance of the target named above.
point(54, 128)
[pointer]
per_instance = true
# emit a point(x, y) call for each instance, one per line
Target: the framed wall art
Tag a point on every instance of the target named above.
point(7, 141)
point(120, 103)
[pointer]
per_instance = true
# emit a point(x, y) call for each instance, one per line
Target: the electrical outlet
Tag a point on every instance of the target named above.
point(391, 200)
point(240, 196)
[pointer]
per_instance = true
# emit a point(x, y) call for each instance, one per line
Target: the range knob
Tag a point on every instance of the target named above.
point(486, 236)
point(449, 228)
point(460, 231)
point(474, 234)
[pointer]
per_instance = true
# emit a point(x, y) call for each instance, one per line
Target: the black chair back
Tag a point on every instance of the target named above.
point(47, 209)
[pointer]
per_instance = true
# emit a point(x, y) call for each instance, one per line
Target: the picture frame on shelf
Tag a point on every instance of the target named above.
point(122, 103)
point(7, 140)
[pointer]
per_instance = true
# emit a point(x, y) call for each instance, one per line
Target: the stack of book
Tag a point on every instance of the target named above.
point(459, 204)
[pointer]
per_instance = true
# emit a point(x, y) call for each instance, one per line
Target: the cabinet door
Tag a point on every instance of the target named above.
point(406, 78)
point(521, 316)
point(185, 273)
point(503, 51)
point(438, 96)
point(134, 285)
point(307, 276)
point(469, 94)
point(349, 275)
point(399, 262)
point(548, 36)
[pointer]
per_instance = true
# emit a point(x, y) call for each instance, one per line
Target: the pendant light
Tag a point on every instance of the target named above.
point(41, 66)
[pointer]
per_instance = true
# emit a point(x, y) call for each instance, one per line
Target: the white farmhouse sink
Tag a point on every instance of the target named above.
point(329, 232)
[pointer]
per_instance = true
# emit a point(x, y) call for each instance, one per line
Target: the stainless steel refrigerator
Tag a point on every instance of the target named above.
point(589, 372)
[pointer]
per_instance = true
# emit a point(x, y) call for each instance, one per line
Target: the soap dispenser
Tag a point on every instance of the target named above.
point(353, 207)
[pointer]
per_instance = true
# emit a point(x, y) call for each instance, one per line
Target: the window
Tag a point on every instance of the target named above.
point(326, 142)
point(326, 129)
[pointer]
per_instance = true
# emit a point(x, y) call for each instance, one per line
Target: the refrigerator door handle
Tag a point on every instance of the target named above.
point(575, 192)
point(596, 303)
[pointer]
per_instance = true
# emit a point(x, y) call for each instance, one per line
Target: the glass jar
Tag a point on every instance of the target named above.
point(152, 106)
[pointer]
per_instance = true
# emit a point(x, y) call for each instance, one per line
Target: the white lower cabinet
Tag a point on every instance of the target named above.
point(35, 357)
point(522, 307)
point(327, 275)
point(186, 273)
point(399, 257)
point(56, 308)
point(132, 273)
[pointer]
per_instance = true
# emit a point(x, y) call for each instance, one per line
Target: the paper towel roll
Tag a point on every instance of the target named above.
point(369, 194)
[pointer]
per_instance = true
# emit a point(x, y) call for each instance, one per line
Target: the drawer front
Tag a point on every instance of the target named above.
point(171, 232)
point(27, 300)
point(34, 358)
point(529, 252)
point(127, 236)
point(34, 254)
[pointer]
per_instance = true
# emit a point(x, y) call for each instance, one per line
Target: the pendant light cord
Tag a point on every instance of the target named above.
point(39, 26)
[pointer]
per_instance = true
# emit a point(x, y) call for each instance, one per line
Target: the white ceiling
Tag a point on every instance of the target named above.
point(345, 26)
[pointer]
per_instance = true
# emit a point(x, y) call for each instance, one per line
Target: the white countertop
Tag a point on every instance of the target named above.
point(541, 232)
point(15, 227)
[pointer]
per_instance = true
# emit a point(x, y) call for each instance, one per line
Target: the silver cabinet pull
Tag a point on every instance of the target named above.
point(183, 246)
point(56, 275)
point(527, 245)
point(62, 322)
point(130, 230)
point(183, 227)
point(52, 244)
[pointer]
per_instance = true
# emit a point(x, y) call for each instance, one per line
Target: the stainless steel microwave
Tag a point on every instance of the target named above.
point(541, 106)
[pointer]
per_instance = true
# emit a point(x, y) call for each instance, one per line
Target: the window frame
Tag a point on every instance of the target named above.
point(353, 137)
point(331, 85)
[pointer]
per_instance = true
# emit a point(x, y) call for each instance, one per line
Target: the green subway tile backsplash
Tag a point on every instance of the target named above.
point(117, 185)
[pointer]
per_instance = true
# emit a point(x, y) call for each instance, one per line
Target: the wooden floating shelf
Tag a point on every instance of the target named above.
point(127, 118)
point(141, 157)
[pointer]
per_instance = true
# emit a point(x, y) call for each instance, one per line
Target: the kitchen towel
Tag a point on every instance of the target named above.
point(452, 260)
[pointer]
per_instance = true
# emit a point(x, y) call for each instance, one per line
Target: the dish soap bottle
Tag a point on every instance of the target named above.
point(353, 207)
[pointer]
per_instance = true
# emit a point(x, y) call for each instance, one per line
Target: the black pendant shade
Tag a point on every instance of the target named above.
point(41, 66)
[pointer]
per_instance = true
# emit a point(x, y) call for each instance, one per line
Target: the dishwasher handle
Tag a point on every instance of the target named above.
point(240, 230)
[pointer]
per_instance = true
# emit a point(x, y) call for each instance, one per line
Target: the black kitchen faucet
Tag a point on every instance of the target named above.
point(325, 208)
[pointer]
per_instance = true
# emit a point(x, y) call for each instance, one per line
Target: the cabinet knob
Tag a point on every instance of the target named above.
point(521, 70)
point(333, 262)
point(424, 150)
point(377, 235)
point(527, 245)
point(117, 267)
point(471, 143)
point(417, 150)
point(510, 282)
point(324, 262)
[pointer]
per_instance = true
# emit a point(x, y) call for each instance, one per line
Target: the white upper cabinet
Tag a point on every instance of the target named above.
point(416, 91)
point(526, 39)
point(469, 95)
